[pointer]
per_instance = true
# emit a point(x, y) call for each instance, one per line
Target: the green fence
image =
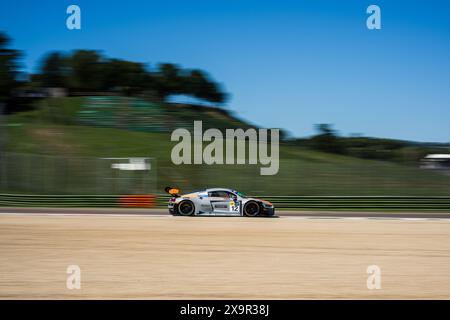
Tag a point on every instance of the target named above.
point(360, 202)
point(66, 175)
point(62, 201)
point(280, 202)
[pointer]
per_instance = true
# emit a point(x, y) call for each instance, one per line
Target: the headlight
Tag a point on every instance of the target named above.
point(267, 205)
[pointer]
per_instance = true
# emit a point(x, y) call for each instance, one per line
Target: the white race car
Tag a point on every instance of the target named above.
point(217, 202)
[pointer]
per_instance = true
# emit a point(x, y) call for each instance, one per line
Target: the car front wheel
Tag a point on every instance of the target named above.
point(251, 209)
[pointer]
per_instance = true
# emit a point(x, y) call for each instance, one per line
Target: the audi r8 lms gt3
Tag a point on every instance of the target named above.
point(217, 202)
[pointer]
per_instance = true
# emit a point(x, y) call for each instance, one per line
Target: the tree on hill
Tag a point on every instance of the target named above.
point(54, 71)
point(326, 139)
point(86, 71)
point(169, 80)
point(198, 85)
point(125, 76)
point(9, 67)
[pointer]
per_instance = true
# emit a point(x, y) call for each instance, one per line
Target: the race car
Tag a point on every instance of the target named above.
point(217, 202)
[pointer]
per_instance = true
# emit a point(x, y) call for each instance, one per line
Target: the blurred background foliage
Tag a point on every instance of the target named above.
point(82, 106)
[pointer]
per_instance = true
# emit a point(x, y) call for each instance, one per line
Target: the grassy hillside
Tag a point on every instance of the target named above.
point(54, 129)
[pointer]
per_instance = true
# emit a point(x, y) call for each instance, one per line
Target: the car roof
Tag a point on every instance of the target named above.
point(219, 189)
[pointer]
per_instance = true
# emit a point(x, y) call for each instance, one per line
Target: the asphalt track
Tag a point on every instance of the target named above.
point(279, 213)
point(148, 254)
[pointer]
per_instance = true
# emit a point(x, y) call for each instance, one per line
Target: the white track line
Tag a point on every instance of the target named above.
point(363, 218)
point(168, 216)
point(81, 214)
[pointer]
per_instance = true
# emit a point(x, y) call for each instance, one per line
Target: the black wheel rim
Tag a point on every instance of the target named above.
point(252, 209)
point(186, 208)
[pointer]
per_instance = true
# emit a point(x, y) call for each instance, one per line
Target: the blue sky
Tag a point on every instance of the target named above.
point(287, 64)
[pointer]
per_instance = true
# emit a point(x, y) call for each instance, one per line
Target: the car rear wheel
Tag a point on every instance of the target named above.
point(186, 208)
point(251, 209)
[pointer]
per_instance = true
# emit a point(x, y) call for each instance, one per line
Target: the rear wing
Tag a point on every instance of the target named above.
point(172, 191)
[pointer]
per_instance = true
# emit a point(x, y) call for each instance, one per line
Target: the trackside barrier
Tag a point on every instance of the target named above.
point(437, 203)
point(20, 200)
point(142, 201)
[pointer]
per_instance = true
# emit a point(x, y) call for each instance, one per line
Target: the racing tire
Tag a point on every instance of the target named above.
point(251, 209)
point(186, 208)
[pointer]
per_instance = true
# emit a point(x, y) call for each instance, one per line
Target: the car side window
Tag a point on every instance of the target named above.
point(221, 194)
point(213, 194)
point(217, 194)
point(231, 195)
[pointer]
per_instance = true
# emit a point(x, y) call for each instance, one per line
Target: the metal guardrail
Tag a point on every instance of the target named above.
point(438, 203)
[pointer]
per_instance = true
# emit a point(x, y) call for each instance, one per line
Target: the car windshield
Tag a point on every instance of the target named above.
point(240, 194)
